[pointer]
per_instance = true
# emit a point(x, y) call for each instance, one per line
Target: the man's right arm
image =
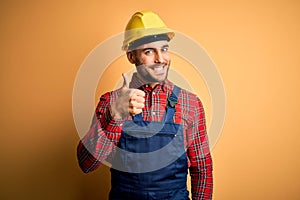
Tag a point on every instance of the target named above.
point(102, 137)
point(100, 141)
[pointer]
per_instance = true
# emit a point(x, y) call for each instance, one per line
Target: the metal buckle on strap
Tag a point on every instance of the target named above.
point(172, 102)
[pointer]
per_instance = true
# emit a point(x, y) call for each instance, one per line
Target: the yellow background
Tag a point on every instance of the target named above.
point(255, 45)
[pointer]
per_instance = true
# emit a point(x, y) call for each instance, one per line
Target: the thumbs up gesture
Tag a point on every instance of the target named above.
point(129, 102)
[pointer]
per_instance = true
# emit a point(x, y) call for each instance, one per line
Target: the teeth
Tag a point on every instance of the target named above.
point(158, 69)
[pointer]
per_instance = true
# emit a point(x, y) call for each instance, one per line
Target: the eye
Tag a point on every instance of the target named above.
point(164, 49)
point(148, 51)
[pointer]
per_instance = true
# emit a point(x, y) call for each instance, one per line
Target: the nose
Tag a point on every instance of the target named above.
point(158, 57)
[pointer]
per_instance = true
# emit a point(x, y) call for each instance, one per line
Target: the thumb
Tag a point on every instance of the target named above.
point(126, 81)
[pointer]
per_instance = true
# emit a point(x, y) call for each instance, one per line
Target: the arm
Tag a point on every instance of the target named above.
point(102, 137)
point(199, 155)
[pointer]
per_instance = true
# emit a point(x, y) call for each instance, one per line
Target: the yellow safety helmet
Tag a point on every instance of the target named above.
point(145, 26)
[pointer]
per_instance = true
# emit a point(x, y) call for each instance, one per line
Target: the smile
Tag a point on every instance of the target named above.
point(158, 68)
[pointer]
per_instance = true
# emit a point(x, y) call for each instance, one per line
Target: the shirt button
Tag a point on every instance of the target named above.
point(153, 113)
point(153, 93)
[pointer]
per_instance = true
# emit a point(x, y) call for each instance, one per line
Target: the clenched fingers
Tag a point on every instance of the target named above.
point(136, 102)
point(137, 92)
point(137, 96)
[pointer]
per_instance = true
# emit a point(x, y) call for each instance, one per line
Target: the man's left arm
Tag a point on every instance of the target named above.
point(199, 155)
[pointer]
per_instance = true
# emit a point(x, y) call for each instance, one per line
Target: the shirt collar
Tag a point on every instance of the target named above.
point(138, 83)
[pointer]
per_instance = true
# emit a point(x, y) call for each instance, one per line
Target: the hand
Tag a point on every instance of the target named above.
point(129, 102)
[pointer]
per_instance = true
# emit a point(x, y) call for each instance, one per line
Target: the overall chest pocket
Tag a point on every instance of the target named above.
point(144, 150)
point(145, 142)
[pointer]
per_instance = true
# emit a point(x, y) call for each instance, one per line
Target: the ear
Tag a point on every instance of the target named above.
point(131, 57)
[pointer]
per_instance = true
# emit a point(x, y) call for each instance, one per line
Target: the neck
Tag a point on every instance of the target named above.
point(153, 84)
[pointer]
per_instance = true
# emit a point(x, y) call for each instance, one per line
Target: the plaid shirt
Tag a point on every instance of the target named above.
point(100, 141)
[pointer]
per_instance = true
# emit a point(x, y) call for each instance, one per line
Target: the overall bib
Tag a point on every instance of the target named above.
point(150, 161)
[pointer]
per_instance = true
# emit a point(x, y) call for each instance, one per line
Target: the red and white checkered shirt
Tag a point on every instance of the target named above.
point(100, 141)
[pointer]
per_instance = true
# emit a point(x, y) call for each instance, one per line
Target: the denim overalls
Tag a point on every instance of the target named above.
point(150, 161)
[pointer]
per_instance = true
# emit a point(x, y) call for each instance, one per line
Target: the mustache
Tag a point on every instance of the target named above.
point(157, 65)
point(153, 66)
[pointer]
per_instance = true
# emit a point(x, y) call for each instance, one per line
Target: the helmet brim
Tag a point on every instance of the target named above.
point(137, 34)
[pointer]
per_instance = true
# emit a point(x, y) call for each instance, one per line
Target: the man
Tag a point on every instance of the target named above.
point(150, 130)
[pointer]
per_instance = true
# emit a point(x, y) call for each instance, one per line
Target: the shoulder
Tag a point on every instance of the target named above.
point(189, 99)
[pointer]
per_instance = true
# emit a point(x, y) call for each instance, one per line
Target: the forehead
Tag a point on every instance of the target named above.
point(154, 45)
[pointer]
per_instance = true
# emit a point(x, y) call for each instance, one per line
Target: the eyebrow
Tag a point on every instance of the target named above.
point(151, 48)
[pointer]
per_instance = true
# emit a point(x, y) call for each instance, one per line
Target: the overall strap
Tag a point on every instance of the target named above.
point(137, 118)
point(172, 101)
